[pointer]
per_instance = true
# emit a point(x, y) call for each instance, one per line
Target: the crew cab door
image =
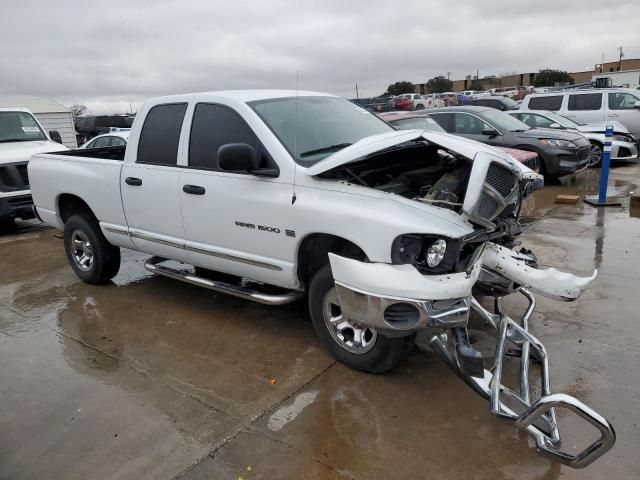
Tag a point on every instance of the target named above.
point(234, 222)
point(621, 108)
point(150, 186)
point(585, 107)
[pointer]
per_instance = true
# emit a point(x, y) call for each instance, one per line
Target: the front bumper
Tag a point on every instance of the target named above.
point(624, 151)
point(16, 206)
point(401, 299)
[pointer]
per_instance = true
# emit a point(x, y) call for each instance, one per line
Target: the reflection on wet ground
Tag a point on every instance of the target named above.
point(151, 378)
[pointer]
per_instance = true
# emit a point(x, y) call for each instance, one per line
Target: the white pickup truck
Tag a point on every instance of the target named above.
point(271, 195)
point(21, 135)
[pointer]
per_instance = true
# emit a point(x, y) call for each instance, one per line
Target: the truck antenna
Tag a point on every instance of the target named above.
point(295, 142)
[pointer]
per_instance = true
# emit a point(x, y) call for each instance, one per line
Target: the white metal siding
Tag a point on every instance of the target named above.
point(63, 123)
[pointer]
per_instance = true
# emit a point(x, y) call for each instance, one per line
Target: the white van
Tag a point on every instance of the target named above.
point(591, 106)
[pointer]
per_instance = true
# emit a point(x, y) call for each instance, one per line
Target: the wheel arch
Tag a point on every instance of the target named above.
point(69, 204)
point(313, 253)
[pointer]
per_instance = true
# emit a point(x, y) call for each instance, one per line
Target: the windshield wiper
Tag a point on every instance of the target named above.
point(317, 151)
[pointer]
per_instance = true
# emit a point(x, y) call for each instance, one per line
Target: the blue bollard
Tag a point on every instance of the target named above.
point(606, 162)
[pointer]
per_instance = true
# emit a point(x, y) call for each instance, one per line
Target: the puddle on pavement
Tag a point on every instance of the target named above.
point(290, 412)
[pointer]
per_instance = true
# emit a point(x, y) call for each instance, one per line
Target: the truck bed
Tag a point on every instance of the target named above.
point(102, 153)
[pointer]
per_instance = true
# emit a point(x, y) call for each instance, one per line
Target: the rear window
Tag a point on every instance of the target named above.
point(115, 121)
point(160, 134)
point(551, 102)
point(585, 101)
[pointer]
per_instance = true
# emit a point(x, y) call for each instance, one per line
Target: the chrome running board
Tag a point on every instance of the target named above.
point(153, 266)
point(537, 418)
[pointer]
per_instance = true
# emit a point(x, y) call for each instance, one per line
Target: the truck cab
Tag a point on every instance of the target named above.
point(21, 136)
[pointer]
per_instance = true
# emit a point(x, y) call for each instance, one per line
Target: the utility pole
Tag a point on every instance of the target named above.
point(477, 79)
point(602, 64)
point(620, 58)
point(448, 75)
point(357, 90)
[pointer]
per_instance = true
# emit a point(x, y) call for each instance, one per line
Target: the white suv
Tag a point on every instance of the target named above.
point(591, 106)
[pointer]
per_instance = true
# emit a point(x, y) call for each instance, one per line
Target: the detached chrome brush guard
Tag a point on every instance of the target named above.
point(538, 419)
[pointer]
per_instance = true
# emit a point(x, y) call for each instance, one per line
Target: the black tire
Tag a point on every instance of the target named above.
point(105, 261)
point(386, 352)
point(419, 107)
point(7, 225)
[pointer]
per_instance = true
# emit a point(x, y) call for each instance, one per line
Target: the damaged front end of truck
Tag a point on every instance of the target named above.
point(432, 284)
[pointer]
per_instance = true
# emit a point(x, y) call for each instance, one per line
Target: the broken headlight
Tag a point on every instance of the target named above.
point(430, 255)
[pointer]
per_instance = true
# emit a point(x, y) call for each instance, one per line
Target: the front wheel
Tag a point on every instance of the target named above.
point(357, 346)
point(595, 154)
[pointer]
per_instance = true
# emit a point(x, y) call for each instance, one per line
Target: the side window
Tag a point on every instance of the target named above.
point(622, 101)
point(117, 142)
point(160, 134)
point(585, 101)
point(92, 144)
point(445, 120)
point(468, 124)
point(216, 125)
point(550, 102)
point(480, 103)
point(101, 142)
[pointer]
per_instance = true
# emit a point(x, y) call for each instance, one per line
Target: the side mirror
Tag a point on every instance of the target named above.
point(636, 105)
point(55, 136)
point(242, 158)
point(490, 132)
point(555, 125)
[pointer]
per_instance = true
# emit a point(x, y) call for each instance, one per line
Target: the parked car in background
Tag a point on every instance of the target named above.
point(591, 106)
point(21, 136)
point(113, 139)
point(495, 101)
point(623, 146)
point(560, 152)
point(413, 101)
point(422, 121)
point(91, 126)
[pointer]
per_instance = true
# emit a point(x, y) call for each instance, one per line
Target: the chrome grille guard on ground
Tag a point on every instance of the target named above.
point(538, 419)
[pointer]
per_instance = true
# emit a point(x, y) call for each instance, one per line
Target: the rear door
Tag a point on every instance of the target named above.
point(233, 221)
point(585, 107)
point(621, 108)
point(151, 185)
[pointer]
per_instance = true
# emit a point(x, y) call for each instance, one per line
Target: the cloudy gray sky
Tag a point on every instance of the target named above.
point(107, 54)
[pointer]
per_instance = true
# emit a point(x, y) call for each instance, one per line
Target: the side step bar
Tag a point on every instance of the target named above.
point(153, 266)
point(537, 418)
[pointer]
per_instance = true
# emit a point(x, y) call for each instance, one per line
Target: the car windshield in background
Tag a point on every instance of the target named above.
point(19, 127)
point(422, 123)
point(510, 103)
point(312, 128)
point(504, 121)
point(562, 121)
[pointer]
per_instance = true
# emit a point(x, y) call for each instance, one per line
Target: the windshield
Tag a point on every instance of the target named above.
point(422, 123)
point(504, 121)
point(19, 127)
point(312, 128)
point(564, 121)
point(510, 103)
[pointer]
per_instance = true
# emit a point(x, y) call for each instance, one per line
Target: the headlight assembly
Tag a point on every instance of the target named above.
point(435, 253)
point(621, 138)
point(430, 255)
point(558, 143)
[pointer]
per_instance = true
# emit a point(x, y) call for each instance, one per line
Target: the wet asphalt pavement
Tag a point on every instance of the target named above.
point(153, 378)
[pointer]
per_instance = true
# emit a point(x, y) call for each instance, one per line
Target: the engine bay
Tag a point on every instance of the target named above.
point(418, 170)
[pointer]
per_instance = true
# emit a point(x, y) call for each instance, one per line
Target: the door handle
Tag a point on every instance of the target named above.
point(133, 181)
point(613, 114)
point(193, 189)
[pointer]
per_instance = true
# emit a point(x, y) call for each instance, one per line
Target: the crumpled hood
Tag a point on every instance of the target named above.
point(568, 135)
point(376, 143)
point(601, 127)
point(12, 152)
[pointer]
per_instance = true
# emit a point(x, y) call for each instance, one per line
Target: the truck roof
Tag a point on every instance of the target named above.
point(243, 95)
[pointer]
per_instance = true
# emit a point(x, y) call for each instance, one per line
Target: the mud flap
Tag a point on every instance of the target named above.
point(548, 282)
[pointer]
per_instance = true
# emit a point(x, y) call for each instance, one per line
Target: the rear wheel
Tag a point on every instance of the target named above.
point(419, 107)
point(358, 346)
point(90, 255)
